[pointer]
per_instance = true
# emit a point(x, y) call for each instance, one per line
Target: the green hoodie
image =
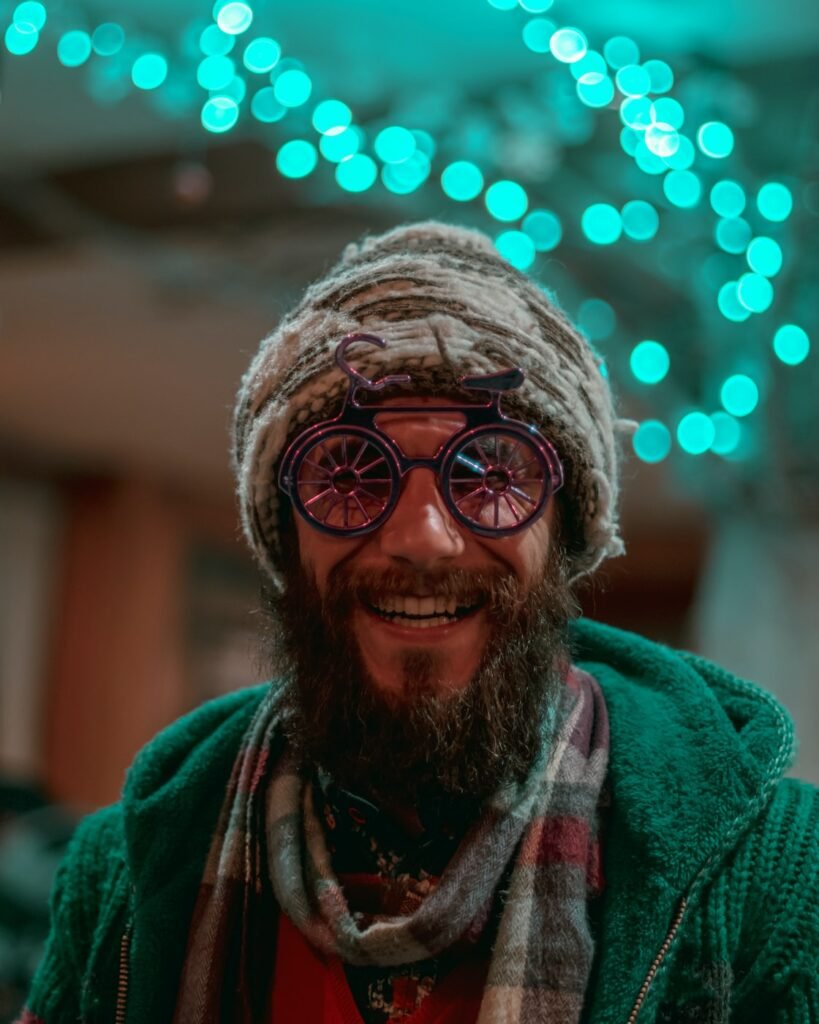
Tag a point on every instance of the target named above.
point(711, 907)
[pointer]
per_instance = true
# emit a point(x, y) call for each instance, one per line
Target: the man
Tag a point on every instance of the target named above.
point(458, 802)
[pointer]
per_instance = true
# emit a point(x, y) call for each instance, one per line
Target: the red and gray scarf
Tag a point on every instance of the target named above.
point(535, 849)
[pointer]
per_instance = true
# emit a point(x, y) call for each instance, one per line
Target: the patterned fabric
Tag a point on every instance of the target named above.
point(545, 829)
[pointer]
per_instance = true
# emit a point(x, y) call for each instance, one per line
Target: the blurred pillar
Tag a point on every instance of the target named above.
point(117, 670)
point(757, 614)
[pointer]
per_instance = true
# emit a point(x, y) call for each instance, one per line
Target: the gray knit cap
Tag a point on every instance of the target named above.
point(447, 305)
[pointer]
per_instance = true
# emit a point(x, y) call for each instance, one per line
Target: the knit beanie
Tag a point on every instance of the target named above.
point(448, 305)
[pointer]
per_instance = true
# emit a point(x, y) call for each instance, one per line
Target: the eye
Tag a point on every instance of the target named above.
point(345, 481)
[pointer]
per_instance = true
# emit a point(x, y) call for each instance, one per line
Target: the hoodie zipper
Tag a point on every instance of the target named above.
point(123, 977)
point(658, 959)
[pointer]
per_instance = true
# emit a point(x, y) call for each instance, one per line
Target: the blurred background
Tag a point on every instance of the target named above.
point(171, 176)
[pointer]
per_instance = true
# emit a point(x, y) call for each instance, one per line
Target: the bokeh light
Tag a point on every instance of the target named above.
point(683, 158)
point(265, 107)
point(215, 72)
point(755, 292)
point(591, 61)
point(595, 90)
point(516, 247)
point(764, 256)
point(727, 433)
point(649, 362)
point(535, 6)
point(602, 223)
point(537, 34)
point(732, 234)
point(596, 319)
point(506, 200)
point(682, 188)
point(336, 148)
point(651, 441)
point(149, 71)
point(668, 111)
point(331, 117)
point(695, 433)
point(292, 88)
point(213, 42)
point(74, 49)
point(791, 344)
point(20, 40)
point(661, 75)
point(544, 228)
point(715, 139)
point(662, 140)
point(234, 18)
point(29, 16)
point(729, 304)
point(568, 45)
point(739, 395)
point(220, 114)
point(296, 158)
point(774, 201)
point(462, 181)
point(727, 198)
point(262, 55)
point(408, 175)
point(108, 39)
point(640, 220)
point(633, 80)
point(620, 51)
point(357, 173)
point(636, 112)
point(394, 144)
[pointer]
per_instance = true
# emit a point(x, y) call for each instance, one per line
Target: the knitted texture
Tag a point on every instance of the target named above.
point(698, 810)
point(447, 305)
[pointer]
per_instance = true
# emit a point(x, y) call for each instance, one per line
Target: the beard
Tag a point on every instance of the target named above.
point(430, 742)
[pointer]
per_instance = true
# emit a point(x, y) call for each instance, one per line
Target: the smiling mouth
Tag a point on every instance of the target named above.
point(422, 612)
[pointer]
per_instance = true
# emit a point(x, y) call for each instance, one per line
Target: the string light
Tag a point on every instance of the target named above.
point(462, 181)
point(506, 200)
point(649, 362)
point(602, 223)
point(261, 55)
point(682, 188)
point(336, 148)
point(394, 144)
point(74, 49)
point(651, 441)
point(219, 114)
point(791, 344)
point(774, 201)
point(296, 158)
point(517, 248)
point(695, 433)
point(292, 87)
point(332, 117)
point(357, 173)
point(764, 256)
point(568, 45)
point(739, 395)
point(727, 198)
point(234, 18)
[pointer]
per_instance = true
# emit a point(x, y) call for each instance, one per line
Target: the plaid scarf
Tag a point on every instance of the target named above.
point(534, 849)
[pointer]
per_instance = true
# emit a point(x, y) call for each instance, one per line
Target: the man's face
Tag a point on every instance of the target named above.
point(405, 699)
point(412, 615)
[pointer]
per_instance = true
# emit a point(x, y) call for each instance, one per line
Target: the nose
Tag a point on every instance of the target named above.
point(420, 530)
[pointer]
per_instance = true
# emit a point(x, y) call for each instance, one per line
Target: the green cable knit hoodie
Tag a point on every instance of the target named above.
point(711, 908)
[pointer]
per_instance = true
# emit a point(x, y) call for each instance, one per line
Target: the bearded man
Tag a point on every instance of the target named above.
point(458, 802)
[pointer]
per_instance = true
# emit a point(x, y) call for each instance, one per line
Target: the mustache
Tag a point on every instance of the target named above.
point(498, 589)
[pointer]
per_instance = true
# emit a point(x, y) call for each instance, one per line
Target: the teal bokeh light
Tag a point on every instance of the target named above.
point(462, 181)
point(649, 362)
point(791, 344)
point(516, 247)
point(682, 188)
point(764, 256)
point(729, 304)
point(727, 198)
point(661, 75)
point(695, 433)
point(602, 224)
point(668, 111)
point(640, 220)
point(213, 42)
point(234, 18)
point(739, 395)
point(293, 87)
point(568, 45)
point(357, 173)
point(715, 139)
point(408, 175)
point(537, 34)
point(20, 41)
point(591, 61)
point(636, 112)
point(620, 51)
point(262, 55)
point(774, 201)
point(755, 292)
point(683, 158)
point(595, 90)
point(236, 89)
point(596, 319)
point(149, 71)
point(220, 114)
point(29, 16)
point(506, 200)
point(727, 433)
point(296, 158)
point(265, 107)
point(503, 5)
point(215, 72)
point(633, 80)
point(662, 140)
point(108, 39)
point(74, 49)
point(648, 162)
point(544, 228)
point(331, 117)
point(732, 234)
point(394, 144)
point(535, 6)
point(651, 441)
point(336, 148)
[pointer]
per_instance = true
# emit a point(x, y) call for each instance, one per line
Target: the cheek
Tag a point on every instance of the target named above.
point(320, 554)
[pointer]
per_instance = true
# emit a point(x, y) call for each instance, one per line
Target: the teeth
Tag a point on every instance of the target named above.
point(451, 605)
point(435, 609)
